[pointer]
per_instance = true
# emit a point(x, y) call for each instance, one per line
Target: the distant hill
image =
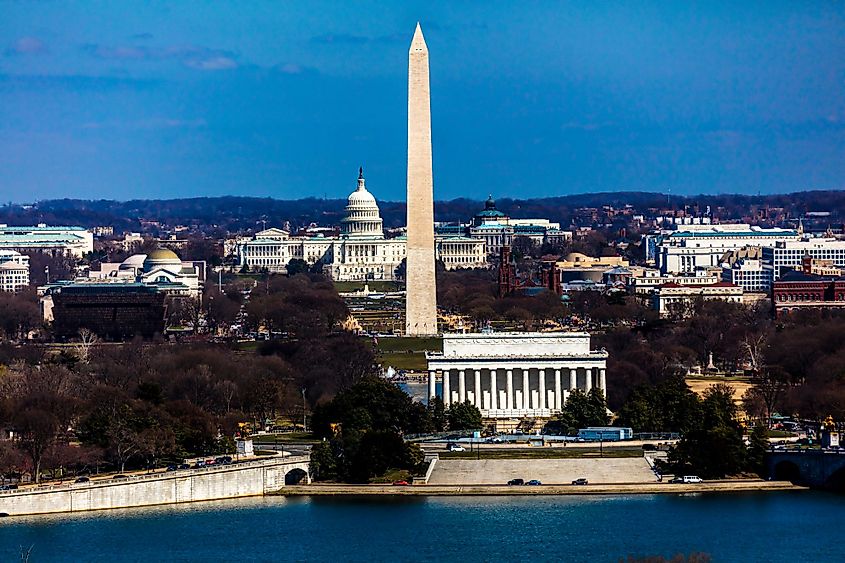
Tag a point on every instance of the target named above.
point(248, 213)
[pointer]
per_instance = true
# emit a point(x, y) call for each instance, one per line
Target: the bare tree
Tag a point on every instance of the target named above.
point(87, 339)
point(755, 345)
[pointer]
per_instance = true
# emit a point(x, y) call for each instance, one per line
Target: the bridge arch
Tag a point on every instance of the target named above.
point(787, 471)
point(836, 481)
point(297, 476)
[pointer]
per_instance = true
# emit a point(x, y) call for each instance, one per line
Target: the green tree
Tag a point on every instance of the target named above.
point(437, 412)
point(323, 463)
point(297, 266)
point(714, 448)
point(580, 411)
point(669, 406)
point(758, 444)
point(463, 416)
point(378, 451)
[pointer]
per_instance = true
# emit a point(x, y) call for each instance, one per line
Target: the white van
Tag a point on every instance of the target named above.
point(692, 479)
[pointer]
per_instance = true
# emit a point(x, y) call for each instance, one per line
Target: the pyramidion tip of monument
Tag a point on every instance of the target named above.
point(418, 42)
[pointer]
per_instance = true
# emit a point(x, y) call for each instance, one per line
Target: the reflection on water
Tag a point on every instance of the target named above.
point(742, 527)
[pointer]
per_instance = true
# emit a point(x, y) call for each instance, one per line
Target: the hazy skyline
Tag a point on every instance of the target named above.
point(161, 100)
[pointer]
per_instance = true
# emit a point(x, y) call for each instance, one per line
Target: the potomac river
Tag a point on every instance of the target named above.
point(780, 526)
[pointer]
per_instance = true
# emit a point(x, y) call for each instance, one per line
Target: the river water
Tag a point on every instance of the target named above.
point(784, 526)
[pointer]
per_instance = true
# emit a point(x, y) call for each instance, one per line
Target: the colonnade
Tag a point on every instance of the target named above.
point(540, 389)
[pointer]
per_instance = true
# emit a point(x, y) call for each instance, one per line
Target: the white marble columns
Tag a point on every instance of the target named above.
point(432, 384)
point(526, 390)
point(494, 402)
point(509, 389)
point(485, 394)
point(476, 389)
point(542, 375)
point(558, 391)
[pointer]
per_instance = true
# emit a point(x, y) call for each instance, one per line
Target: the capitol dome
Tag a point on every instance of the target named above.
point(162, 257)
point(362, 213)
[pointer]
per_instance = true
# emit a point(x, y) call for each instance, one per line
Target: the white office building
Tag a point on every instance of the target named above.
point(687, 247)
point(75, 241)
point(14, 270)
point(786, 255)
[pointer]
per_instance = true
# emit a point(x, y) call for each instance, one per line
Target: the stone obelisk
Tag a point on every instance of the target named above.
point(421, 294)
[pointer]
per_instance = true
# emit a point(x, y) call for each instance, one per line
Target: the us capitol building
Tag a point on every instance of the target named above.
point(360, 253)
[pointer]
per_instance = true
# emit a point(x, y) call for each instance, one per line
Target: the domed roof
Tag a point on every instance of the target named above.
point(490, 209)
point(361, 198)
point(132, 262)
point(161, 257)
point(160, 254)
point(577, 257)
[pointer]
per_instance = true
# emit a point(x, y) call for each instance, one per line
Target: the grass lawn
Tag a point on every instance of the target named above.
point(780, 434)
point(286, 438)
point(489, 452)
point(407, 353)
point(410, 344)
point(404, 360)
point(393, 475)
point(377, 286)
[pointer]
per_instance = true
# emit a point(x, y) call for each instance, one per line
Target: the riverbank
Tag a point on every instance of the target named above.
point(726, 486)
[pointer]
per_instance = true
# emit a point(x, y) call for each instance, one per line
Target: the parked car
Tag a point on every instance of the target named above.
point(82, 480)
point(183, 466)
point(580, 481)
point(9, 487)
point(516, 482)
point(677, 480)
point(456, 448)
point(533, 482)
point(120, 476)
point(693, 479)
point(401, 482)
point(171, 468)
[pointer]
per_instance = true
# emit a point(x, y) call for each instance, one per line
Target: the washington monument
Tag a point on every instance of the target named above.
point(421, 294)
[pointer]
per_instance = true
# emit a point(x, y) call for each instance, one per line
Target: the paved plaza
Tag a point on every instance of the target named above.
point(548, 471)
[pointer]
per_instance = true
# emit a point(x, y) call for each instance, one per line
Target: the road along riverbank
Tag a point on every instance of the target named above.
point(725, 486)
point(242, 479)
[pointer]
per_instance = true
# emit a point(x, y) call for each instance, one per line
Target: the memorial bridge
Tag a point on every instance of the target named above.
point(823, 469)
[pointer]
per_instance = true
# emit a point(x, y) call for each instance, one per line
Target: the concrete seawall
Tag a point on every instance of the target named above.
point(727, 486)
point(250, 478)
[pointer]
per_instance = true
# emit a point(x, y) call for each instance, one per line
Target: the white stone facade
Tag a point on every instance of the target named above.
point(361, 253)
point(673, 299)
point(75, 241)
point(516, 374)
point(689, 247)
point(14, 270)
point(786, 255)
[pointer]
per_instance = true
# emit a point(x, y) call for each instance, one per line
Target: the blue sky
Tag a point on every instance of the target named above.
point(127, 99)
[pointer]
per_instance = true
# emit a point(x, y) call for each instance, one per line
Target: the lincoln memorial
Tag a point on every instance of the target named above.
point(516, 374)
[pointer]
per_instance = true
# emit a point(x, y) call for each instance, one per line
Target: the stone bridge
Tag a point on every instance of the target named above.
point(255, 477)
point(824, 469)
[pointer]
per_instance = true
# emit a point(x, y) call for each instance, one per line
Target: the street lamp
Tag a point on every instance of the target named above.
point(304, 428)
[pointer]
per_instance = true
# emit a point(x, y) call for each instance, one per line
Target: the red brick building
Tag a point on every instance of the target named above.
point(797, 290)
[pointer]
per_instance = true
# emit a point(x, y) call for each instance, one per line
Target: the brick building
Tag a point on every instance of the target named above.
point(112, 311)
point(798, 290)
